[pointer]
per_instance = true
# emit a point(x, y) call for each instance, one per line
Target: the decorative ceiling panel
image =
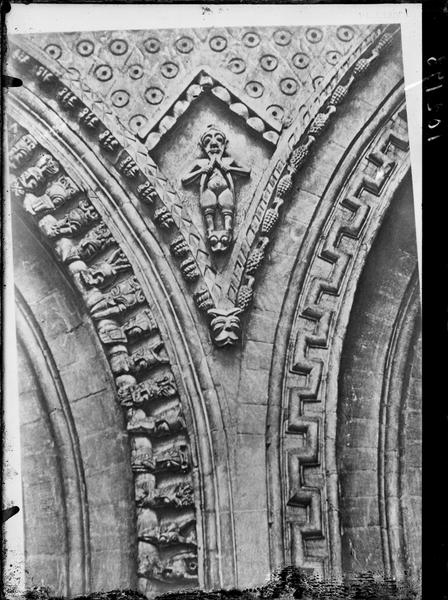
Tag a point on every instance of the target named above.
point(141, 74)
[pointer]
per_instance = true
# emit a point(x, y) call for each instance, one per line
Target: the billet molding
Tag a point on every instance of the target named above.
point(130, 337)
point(140, 173)
point(306, 515)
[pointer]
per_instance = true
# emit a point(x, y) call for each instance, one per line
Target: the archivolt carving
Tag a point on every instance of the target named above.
point(142, 176)
point(308, 511)
point(280, 185)
point(129, 332)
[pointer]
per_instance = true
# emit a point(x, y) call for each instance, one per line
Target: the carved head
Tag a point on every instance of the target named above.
point(225, 326)
point(213, 141)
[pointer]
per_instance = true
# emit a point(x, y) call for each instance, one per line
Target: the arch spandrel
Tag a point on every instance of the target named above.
point(225, 313)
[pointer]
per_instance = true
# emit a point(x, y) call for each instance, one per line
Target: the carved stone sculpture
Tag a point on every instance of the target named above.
point(99, 238)
point(225, 326)
point(148, 391)
point(58, 193)
point(75, 221)
point(175, 458)
point(120, 298)
point(110, 333)
point(142, 457)
point(139, 422)
point(174, 495)
point(177, 532)
point(34, 178)
point(140, 324)
point(149, 357)
point(106, 271)
point(166, 423)
point(181, 567)
point(22, 150)
point(215, 171)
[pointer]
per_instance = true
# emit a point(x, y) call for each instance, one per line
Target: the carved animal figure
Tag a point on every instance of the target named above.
point(215, 172)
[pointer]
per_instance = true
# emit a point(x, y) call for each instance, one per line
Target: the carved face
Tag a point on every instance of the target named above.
point(225, 326)
point(213, 142)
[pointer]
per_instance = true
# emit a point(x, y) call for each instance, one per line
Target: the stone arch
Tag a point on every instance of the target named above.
point(72, 437)
point(379, 407)
point(316, 308)
point(173, 317)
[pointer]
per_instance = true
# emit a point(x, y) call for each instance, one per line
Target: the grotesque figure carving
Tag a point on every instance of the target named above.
point(120, 298)
point(140, 324)
point(34, 178)
point(148, 391)
point(225, 326)
point(60, 191)
point(175, 495)
point(76, 220)
point(107, 270)
point(217, 191)
point(175, 458)
point(181, 567)
point(149, 356)
point(96, 240)
point(22, 150)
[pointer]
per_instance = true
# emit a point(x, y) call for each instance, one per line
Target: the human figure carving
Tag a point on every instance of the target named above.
point(215, 172)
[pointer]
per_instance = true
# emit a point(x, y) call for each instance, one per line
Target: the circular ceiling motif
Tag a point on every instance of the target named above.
point(218, 43)
point(152, 45)
point(288, 86)
point(314, 35)
point(251, 39)
point(118, 47)
point(255, 89)
point(345, 33)
point(301, 60)
point(169, 70)
point(135, 71)
point(237, 65)
point(103, 72)
point(184, 44)
point(275, 111)
point(154, 95)
point(85, 47)
point(282, 37)
point(269, 62)
point(333, 57)
point(120, 98)
point(137, 122)
point(53, 50)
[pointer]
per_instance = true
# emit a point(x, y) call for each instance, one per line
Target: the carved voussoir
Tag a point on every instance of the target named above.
point(134, 395)
point(74, 222)
point(147, 192)
point(120, 298)
point(67, 99)
point(163, 218)
point(88, 118)
point(141, 324)
point(22, 151)
point(103, 273)
point(149, 357)
point(225, 326)
point(99, 238)
point(108, 141)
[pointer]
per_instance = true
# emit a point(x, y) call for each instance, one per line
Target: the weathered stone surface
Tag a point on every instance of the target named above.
point(271, 345)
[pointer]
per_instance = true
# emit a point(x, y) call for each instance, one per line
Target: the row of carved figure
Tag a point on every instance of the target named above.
point(146, 387)
point(139, 182)
point(214, 171)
